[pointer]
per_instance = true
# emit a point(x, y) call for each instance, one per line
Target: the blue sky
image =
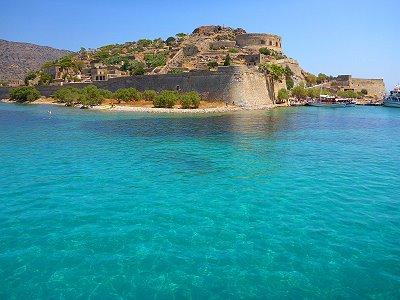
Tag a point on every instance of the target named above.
point(335, 37)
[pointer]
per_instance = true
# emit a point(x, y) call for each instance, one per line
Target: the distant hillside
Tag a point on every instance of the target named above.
point(18, 59)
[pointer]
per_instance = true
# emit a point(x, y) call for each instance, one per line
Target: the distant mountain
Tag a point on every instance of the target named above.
point(18, 59)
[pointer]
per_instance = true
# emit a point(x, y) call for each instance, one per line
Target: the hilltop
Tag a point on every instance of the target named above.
point(18, 59)
point(206, 48)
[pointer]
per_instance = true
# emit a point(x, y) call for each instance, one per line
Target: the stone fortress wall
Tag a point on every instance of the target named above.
point(375, 87)
point(237, 85)
point(259, 40)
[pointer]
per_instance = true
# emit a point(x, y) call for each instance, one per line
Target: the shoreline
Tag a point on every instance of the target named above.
point(144, 109)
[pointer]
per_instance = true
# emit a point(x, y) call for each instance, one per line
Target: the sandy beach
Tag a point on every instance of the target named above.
point(146, 107)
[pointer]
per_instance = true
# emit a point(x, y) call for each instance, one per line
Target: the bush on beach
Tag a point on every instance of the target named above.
point(128, 94)
point(67, 95)
point(90, 95)
point(24, 94)
point(190, 100)
point(149, 95)
point(166, 99)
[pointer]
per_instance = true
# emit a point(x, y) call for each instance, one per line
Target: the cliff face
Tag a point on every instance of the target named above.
point(18, 59)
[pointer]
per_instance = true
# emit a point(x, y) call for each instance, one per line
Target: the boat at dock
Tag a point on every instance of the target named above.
point(331, 101)
point(393, 99)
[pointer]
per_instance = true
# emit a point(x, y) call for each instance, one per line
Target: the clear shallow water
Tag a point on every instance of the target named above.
point(292, 203)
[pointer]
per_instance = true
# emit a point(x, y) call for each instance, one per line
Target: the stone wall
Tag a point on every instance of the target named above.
point(235, 84)
point(222, 44)
point(259, 40)
point(375, 87)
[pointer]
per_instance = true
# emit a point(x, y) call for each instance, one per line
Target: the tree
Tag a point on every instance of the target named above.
point(127, 94)
point(348, 94)
point(283, 95)
point(134, 67)
point(313, 92)
point(166, 99)
point(67, 95)
point(364, 92)
point(45, 78)
point(181, 35)
point(275, 71)
point(288, 76)
point(190, 100)
point(311, 79)
point(228, 60)
point(299, 92)
point(155, 60)
point(171, 40)
point(149, 95)
point(24, 94)
point(321, 78)
point(29, 77)
point(91, 95)
point(265, 51)
point(144, 43)
point(289, 83)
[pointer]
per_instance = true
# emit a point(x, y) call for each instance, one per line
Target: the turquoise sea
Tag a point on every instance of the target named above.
point(288, 203)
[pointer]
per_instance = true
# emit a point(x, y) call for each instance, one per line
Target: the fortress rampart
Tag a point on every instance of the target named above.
point(237, 85)
point(375, 87)
point(259, 40)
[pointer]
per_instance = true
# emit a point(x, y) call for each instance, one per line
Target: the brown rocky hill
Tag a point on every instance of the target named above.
point(18, 59)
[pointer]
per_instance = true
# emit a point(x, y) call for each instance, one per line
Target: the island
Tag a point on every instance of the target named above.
point(213, 68)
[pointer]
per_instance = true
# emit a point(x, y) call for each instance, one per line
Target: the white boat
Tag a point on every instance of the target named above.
point(393, 100)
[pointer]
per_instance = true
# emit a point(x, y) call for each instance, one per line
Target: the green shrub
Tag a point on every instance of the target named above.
point(166, 99)
point(311, 79)
point(283, 95)
point(181, 35)
point(91, 95)
point(313, 92)
point(289, 83)
point(170, 40)
point(107, 94)
point(265, 51)
point(190, 100)
point(128, 94)
point(45, 78)
point(155, 60)
point(299, 92)
point(364, 92)
point(67, 95)
point(348, 94)
point(149, 95)
point(228, 60)
point(144, 43)
point(212, 64)
point(233, 50)
point(277, 72)
point(24, 94)
point(322, 78)
point(134, 67)
point(29, 77)
point(176, 71)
